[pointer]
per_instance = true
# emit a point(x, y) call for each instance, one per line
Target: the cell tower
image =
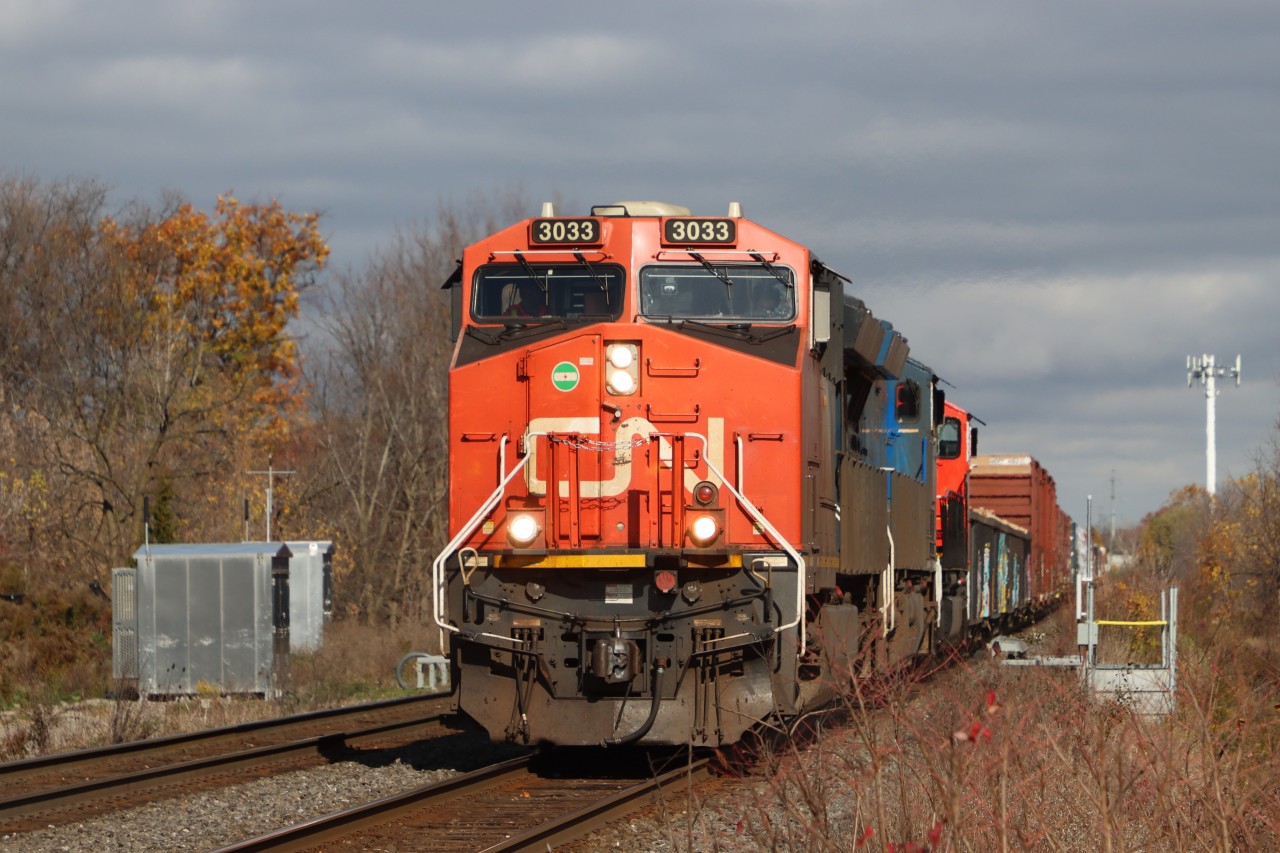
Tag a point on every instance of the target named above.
point(1203, 368)
point(1111, 542)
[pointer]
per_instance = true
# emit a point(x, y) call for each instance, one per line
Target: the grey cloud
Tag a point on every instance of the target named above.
point(1096, 180)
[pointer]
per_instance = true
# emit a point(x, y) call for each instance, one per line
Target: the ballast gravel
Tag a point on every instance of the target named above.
point(216, 818)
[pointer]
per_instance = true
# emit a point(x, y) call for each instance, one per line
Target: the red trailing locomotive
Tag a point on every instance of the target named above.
point(694, 485)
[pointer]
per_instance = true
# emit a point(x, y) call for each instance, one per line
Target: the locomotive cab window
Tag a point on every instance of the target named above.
point(907, 404)
point(536, 293)
point(718, 292)
point(949, 439)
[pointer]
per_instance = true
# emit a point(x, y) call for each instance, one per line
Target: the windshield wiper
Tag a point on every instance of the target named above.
point(529, 271)
point(718, 273)
point(733, 330)
point(770, 267)
point(515, 328)
point(480, 334)
point(740, 331)
point(594, 275)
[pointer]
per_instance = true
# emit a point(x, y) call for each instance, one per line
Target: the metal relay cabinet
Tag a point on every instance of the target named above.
point(310, 593)
point(204, 617)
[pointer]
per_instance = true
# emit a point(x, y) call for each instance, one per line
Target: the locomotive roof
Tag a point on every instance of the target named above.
point(640, 208)
point(997, 522)
point(996, 464)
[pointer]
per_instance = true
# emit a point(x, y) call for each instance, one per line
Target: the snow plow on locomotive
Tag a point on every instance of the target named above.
point(692, 482)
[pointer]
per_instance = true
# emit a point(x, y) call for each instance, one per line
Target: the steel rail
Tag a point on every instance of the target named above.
point(572, 824)
point(41, 802)
point(576, 824)
point(14, 771)
point(308, 834)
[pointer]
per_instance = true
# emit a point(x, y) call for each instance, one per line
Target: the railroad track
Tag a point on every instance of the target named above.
point(516, 805)
point(71, 786)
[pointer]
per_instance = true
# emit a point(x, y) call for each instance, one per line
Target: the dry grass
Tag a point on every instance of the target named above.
point(355, 664)
point(984, 757)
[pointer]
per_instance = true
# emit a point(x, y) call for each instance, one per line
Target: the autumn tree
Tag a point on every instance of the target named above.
point(142, 354)
point(1168, 541)
point(1255, 507)
point(1224, 550)
point(381, 399)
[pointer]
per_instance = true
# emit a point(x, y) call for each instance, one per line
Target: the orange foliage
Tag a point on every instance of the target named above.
point(148, 356)
point(225, 286)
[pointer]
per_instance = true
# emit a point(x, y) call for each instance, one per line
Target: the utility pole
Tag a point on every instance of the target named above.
point(271, 474)
point(1206, 371)
point(1111, 542)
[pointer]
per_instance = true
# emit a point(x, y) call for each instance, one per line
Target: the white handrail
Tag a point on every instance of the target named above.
point(437, 565)
point(777, 537)
point(888, 616)
point(937, 590)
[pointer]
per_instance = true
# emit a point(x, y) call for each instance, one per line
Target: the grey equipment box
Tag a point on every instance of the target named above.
point(310, 593)
point(209, 617)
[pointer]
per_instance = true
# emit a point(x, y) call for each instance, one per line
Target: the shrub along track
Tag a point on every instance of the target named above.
point(55, 789)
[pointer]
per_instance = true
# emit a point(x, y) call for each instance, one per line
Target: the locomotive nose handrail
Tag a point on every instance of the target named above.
point(438, 564)
point(759, 518)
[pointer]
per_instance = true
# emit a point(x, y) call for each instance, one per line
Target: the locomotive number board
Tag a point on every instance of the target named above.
point(703, 232)
point(566, 232)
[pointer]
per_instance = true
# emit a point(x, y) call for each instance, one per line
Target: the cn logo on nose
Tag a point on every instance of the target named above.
point(565, 376)
point(628, 431)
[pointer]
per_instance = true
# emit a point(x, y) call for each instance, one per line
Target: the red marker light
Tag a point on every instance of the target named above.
point(704, 493)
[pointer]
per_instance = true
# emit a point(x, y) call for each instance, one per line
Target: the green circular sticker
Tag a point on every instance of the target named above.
point(565, 376)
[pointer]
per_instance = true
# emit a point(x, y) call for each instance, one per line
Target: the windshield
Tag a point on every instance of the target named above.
point(949, 439)
point(723, 292)
point(538, 292)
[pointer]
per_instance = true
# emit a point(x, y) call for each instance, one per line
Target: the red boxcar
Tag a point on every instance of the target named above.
point(1020, 490)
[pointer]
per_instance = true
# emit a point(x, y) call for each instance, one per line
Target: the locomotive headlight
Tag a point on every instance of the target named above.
point(621, 356)
point(522, 529)
point(621, 382)
point(622, 368)
point(704, 530)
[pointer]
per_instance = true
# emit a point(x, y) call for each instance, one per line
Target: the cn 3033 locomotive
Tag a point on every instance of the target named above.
point(696, 485)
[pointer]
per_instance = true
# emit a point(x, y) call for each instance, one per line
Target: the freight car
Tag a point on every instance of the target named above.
point(1021, 491)
point(1007, 549)
point(693, 482)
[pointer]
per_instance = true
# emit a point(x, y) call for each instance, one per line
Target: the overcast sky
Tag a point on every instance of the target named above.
point(1055, 202)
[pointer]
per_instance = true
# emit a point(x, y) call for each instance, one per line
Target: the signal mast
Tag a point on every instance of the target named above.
point(1203, 368)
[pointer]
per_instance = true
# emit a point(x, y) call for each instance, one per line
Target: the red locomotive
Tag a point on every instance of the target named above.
point(692, 482)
